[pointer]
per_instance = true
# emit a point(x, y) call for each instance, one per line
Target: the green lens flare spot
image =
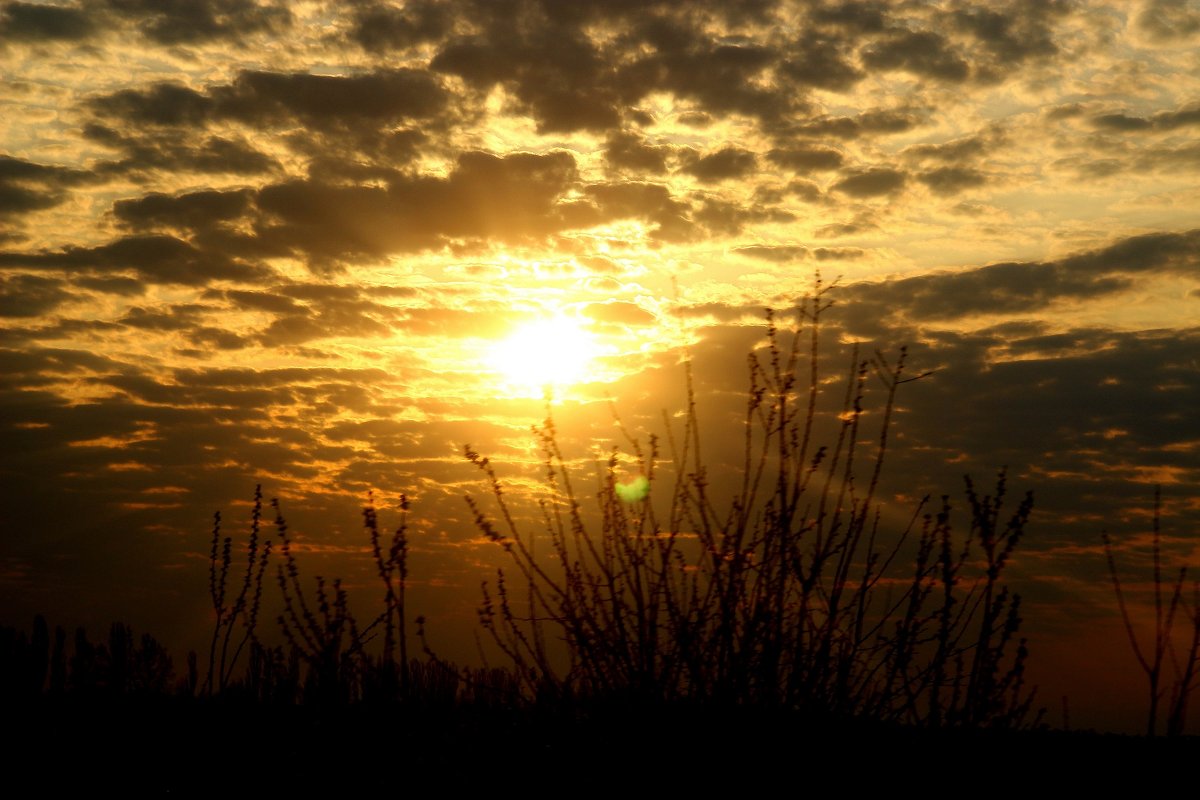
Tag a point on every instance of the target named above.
point(635, 490)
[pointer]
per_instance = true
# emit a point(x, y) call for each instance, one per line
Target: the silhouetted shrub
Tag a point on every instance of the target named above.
point(791, 596)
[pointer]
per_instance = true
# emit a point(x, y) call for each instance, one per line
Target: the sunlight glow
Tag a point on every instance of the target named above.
point(555, 352)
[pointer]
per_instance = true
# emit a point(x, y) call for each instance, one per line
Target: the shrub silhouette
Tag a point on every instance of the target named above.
point(1169, 607)
point(791, 595)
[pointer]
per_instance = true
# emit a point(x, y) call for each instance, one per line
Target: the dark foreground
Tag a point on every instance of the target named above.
point(198, 747)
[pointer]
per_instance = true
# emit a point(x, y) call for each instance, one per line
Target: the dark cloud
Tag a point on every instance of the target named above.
point(188, 211)
point(380, 27)
point(720, 77)
point(511, 198)
point(567, 80)
point(1169, 20)
point(777, 253)
point(724, 164)
point(626, 150)
point(873, 121)
point(1125, 392)
point(31, 295)
point(156, 150)
point(872, 182)
point(303, 313)
point(326, 103)
point(782, 254)
point(804, 190)
point(324, 118)
point(649, 201)
point(35, 361)
point(806, 158)
point(1161, 121)
point(1027, 287)
point(926, 54)
point(555, 72)
point(952, 180)
point(964, 151)
point(181, 316)
point(853, 16)
point(822, 62)
point(36, 22)
point(836, 229)
point(154, 258)
point(256, 301)
point(1012, 33)
point(1064, 111)
point(722, 217)
point(172, 22)
point(168, 104)
point(124, 287)
point(26, 186)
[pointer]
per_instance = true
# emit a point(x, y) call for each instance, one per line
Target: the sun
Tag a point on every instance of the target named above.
point(555, 352)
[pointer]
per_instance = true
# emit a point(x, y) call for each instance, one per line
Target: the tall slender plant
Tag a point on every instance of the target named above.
point(240, 613)
point(784, 595)
point(1170, 602)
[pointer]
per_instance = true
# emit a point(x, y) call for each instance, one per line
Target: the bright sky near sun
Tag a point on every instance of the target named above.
point(550, 353)
point(322, 246)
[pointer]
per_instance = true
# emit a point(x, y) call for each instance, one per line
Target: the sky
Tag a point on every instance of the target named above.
point(323, 246)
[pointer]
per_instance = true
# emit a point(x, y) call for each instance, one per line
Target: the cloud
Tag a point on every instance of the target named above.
point(962, 151)
point(1027, 287)
point(182, 22)
point(853, 16)
point(925, 54)
point(504, 198)
point(721, 165)
point(155, 258)
point(652, 202)
point(871, 121)
point(806, 158)
point(852, 228)
point(155, 150)
point(948, 181)
point(1168, 20)
point(318, 311)
point(1160, 121)
point(516, 198)
point(36, 22)
point(188, 211)
point(246, 300)
point(555, 72)
point(568, 81)
point(360, 108)
point(1013, 35)
point(782, 254)
point(629, 151)
point(722, 217)
point(821, 62)
point(872, 182)
point(380, 27)
point(31, 295)
point(26, 186)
